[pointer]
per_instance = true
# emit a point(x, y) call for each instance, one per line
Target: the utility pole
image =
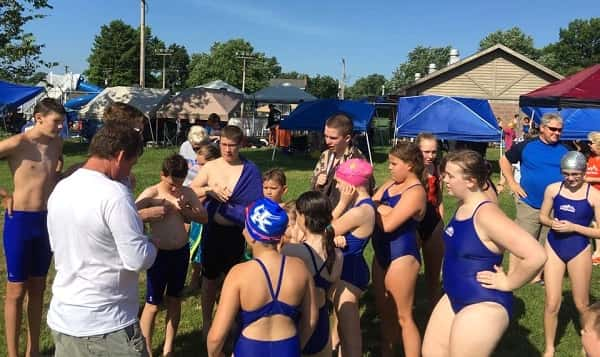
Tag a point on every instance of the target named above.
point(142, 44)
point(244, 56)
point(343, 80)
point(164, 53)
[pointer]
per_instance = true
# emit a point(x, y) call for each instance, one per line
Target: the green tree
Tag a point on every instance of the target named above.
point(114, 59)
point(223, 63)
point(514, 39)
point(19, 52)
point(418, 62)
point(578, 47)
point(366, 86)
point(323, 87)
point(115, 56)
point(177, 67)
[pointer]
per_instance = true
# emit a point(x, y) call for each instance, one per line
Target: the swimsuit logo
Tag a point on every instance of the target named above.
point(449, 231)
point(262, 218)
point(567, 208)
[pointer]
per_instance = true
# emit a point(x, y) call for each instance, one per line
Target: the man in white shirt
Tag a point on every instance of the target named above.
point(99, 250)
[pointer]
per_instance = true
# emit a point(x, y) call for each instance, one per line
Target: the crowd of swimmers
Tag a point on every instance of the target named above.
point(289, 276)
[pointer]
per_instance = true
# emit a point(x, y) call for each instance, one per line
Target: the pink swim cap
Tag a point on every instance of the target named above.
point(356, 172)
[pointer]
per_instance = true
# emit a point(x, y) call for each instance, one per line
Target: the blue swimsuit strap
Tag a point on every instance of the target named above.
point(477, 208)
point(275, 294)
point(363, 201)
point(314, 260)
point(587, 192)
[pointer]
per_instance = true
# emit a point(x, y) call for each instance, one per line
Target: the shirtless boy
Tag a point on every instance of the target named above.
point(170, 268)
point(230, 183)
point(34, 158)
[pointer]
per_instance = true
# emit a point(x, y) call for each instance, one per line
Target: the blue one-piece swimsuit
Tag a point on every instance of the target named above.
point(402, 241)
point(465, 256)
point(320, 336)
point(568, 245)
point(246, 347)
point(355, 269)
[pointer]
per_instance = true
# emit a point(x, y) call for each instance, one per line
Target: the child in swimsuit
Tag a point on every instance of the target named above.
point(574, 204)
point(354, 221)
point(472, 316)
point(167, 275)
point(400, 206)
point(321, 257)
point(278, 311)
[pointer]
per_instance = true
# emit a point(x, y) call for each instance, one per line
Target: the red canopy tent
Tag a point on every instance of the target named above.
point(580, 90)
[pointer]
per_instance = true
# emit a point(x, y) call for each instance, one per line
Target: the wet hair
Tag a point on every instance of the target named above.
point(208, 151)
point(410, 154)
point(47, 106)
point(548, 117)
point(175, 166)
point(123, 113)
point(232, 133)
point(341, 122)
point(591, 316)
point(114, 137)
point(214, 117)
point(472, 164)
point(317, 212)
point(275, 174)
point(197, 135)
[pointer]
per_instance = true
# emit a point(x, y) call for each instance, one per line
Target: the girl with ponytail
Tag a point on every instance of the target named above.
point(323, 260)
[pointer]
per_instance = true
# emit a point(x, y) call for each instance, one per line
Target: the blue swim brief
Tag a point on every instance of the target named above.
point(168, 271)
point(26, 245)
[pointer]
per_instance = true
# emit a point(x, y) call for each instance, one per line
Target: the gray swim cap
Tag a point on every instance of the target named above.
point(573, 160)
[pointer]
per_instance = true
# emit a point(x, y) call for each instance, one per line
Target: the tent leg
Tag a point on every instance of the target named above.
point(369, 148)
point(275, 147)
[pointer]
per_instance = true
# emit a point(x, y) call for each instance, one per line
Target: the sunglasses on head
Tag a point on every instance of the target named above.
point(554, 129)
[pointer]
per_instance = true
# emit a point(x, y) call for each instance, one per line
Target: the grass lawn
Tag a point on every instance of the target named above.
point(524, 336)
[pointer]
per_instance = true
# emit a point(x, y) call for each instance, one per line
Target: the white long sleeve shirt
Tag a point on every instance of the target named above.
point(99, 249)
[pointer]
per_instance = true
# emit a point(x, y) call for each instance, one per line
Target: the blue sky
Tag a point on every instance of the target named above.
point(309, 36)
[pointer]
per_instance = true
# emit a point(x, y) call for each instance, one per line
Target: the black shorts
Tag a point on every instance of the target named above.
point(430, 221)
point(222, 248)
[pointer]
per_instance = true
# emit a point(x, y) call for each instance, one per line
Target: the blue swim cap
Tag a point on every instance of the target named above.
point(266, 221)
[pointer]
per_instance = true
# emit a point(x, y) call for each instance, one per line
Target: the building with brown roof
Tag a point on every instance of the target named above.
point(498, 74)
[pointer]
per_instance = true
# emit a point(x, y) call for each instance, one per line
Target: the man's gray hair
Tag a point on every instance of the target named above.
point(548, 117)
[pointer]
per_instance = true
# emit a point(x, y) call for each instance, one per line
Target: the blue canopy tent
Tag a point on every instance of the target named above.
point(313, 115)
point(578, 122)
point(449, 118)
point(14, 95)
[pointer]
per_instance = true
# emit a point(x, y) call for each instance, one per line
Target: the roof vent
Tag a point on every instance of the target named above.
point(417, 76)
point(432, 68)
point(454, 56)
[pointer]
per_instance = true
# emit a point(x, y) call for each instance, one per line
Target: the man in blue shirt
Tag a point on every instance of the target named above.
point(540, 166)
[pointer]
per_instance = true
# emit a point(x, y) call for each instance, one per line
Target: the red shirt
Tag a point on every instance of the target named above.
point(593, 169)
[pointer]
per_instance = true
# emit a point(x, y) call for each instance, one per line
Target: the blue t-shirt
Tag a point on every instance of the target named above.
point(540, 166)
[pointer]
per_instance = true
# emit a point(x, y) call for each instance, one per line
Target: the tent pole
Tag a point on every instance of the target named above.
point(369, 147)
point(276, 144)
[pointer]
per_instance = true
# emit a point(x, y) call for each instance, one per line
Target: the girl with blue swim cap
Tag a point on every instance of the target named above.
point(474, 312)
point(568, 209)
point(278, 312)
